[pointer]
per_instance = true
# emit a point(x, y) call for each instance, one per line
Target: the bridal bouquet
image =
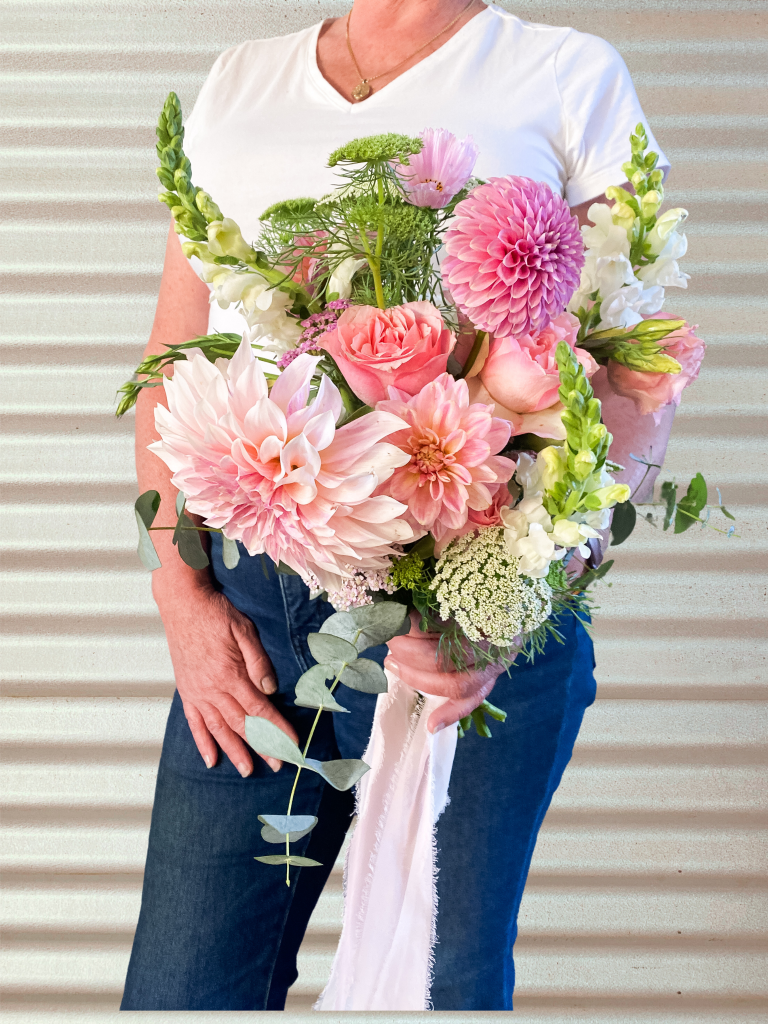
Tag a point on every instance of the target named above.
point(407, 420)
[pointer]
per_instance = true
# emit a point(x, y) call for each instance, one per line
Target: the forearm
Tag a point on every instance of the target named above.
point(635, 434)
point(182, 314)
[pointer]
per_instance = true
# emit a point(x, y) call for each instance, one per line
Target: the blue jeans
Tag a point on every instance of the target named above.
point(220, 931)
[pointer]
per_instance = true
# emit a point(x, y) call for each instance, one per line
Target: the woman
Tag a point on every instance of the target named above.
point(217, 931)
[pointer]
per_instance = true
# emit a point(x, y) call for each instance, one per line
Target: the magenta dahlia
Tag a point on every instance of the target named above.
point(514, 256)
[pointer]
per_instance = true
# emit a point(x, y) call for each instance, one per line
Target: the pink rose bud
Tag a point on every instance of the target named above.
point(403, 347)
point(651, 391)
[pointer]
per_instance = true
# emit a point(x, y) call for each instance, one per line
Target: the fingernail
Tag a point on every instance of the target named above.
point(268, 684)
point(244, 769)
point(208, 761)
point(274, 764)
point(438, 728)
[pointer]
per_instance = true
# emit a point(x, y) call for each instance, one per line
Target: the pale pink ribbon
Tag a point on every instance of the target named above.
point(385, 954)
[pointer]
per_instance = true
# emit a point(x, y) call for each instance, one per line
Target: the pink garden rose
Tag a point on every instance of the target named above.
point(402, 347)
point(520, 376)
point(454, 466)
point(651, 391)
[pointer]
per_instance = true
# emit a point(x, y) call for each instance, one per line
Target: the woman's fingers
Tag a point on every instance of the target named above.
point(227, 739)
point(454, 710)
point(203, 739)
point(257, 664)
point(427, 679)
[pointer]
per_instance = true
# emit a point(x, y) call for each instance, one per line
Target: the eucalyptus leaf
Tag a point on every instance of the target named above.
point(230, 552)
point(279, 827)
point(271, 835)
point(689, 506)
point(329, 649)
point(726, 513)
point(145, 508)
point(180, 503)
point(365, 675)
point(267, 738)
point(669, 497)
point(369, 626)
point(285, 570)
point(623, 522)
point(281, 858)
point(311, 691)
point(341, 774)
point(187, 539)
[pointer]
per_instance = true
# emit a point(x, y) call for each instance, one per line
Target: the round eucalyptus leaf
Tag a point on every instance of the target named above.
point(328, 649)
point(365, 675)
point(267, 738)
point(280, 858)
point(369, 626)
point(341, 774)
point(279, 827)
point(312, 693)
point(230, 552)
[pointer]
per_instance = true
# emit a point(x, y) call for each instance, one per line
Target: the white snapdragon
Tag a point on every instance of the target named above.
point(664, 232)
point(567, 533)
point(535, 552)
point(340, 281)
point(263, 307)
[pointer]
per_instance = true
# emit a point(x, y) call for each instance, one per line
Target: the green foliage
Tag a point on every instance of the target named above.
point(279, 827)
point(669, 497)
point(478, 717)
point(213, 347)
point(282, 858)
point(377, 149)
point(365, 627)
point(175, 173)
point(409, 573)
point(290, 212)
point(557, 576)
point(689, 506)
point(342, 774)
point(311, 691)
point(623, 523)
point(146, 507)
point(187, 538)
point(230, 552)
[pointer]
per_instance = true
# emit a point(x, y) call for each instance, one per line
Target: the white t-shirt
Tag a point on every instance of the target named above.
point(553, 104)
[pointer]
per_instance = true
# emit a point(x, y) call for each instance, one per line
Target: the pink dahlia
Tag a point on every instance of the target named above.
point(440, 171)
point(452, 450)
point(270, 468)
point(515, 255)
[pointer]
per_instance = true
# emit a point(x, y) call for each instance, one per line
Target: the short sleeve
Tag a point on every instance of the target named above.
point(600, 111)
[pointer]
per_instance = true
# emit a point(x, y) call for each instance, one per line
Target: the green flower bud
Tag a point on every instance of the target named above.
point(584, 464)
point(199, 249)
point(606, 497)
point(207, 207)
point(596, 435)
point(650, 204)
point(645, 358)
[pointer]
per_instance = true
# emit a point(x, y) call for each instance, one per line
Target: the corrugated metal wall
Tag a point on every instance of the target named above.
point(647, 896)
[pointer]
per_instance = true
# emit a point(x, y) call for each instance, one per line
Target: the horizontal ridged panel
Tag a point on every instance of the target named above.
point(647, 894)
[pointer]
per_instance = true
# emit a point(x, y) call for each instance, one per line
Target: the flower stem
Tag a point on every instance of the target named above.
point(298, 767)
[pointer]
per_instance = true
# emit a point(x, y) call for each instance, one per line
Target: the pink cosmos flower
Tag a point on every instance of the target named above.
point(452, 451)
point(271, 469)
point(651, 391)
point(441, 170)
point(515, 255)
point(520, 375)
point(403, 347)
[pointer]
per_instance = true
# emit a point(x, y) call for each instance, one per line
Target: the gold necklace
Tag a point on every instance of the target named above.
point(363, 89)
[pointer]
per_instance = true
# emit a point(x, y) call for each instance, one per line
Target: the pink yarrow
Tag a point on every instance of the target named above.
point(453, 465)
point(515, 255)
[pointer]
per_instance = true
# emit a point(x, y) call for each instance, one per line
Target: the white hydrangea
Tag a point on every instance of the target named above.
point(478, 586)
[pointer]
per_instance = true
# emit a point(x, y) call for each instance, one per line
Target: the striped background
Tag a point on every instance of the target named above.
point(647, 896)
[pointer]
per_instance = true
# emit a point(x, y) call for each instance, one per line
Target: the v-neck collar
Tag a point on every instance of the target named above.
point(334, 96)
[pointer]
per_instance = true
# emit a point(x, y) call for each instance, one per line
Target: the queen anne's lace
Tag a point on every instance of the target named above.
point(478, 586)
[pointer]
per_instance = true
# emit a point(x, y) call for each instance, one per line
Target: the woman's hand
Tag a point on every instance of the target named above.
point(413, 658)
point(222, 674)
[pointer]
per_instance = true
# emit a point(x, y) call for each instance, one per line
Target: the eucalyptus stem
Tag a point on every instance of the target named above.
point(335, 683)
point(205, 529)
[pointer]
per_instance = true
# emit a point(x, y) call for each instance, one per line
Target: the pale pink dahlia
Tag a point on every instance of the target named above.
point(441, 170)
point(270, 468)
point(514, 256)
point(452, 447)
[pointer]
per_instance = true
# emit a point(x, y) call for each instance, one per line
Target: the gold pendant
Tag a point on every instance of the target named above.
point(361, 91)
